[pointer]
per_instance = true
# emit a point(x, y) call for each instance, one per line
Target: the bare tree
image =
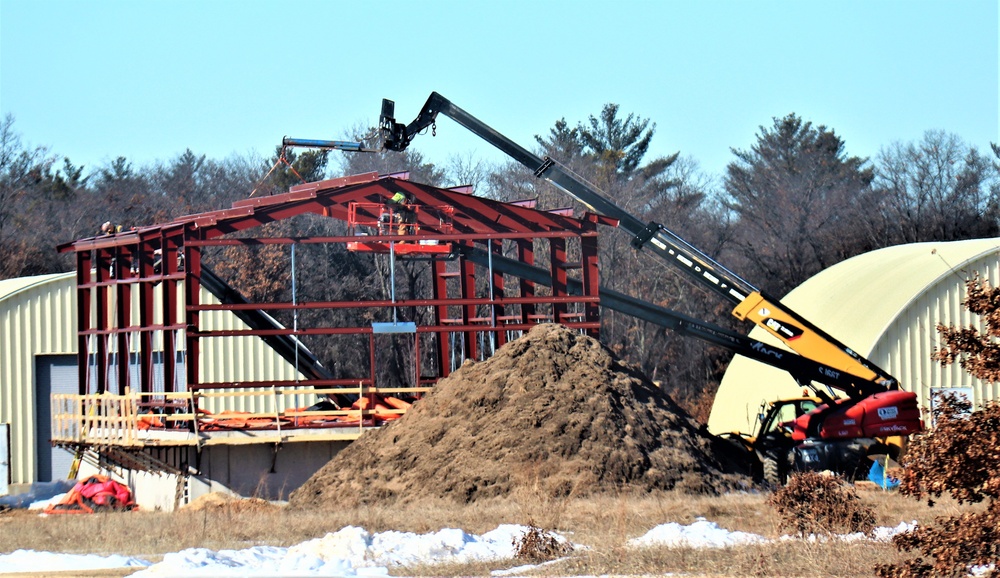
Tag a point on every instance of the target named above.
point(467, 169)
point(937, 189)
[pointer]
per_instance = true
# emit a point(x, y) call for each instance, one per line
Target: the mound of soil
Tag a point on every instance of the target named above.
point(229, 503)
point(553, 413)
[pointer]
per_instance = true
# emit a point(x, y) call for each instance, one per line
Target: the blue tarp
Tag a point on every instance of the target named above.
point(877, 474)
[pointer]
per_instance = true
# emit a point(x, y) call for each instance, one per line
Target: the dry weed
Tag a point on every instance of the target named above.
point(602, 523)
point(818, 503)
point(537, 545)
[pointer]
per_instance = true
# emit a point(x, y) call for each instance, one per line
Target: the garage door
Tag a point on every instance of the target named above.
point(58, 374)
point(53, 374)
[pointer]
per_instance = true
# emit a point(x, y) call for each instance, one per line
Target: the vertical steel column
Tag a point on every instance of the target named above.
point(557, 249)
point(371, 364)
point(591, 280)
point(83, 306)
point(123, 312)
point(440, 289)
point(146, 274)
point(496, 284)
point(169, 266)
point(102, 263)
point(192, 298)
point(416, 358)
point(468, 279)
point(295, 317)
point(526, 255)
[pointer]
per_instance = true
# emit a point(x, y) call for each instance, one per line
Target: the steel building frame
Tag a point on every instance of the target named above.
point(161, 267)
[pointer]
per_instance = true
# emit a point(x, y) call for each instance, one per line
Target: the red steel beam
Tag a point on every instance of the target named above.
point(215, 242)
point(398, 303)
point(464, 327)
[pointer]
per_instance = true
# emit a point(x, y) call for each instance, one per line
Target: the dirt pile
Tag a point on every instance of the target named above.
point(552, 413)
point(227, 502)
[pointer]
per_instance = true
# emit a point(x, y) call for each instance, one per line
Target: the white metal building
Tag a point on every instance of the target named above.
point(886, 305)
point(38, 357)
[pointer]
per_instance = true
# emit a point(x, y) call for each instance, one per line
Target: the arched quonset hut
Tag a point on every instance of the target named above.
point(38, 357)
point(885, 304)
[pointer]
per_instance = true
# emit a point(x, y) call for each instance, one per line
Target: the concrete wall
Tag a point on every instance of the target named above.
point(246, 470)
point(243, 470)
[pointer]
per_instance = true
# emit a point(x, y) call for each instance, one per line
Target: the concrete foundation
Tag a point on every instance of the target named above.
point(267, 471)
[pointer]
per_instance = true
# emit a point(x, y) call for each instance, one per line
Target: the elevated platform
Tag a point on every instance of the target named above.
point(402, 247)
point(135, 420)
point(168, 438)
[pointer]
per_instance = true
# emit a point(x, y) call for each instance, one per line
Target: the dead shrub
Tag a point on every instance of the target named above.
point(537, 545)
point(958, 458)
point(817, 503)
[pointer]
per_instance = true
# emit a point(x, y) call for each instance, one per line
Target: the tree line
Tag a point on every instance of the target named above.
point(791, 205)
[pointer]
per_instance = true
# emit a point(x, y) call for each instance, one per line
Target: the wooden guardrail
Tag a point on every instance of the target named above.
point(125, 419)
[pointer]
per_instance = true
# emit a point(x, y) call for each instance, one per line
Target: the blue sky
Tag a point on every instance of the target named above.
point(94, 80)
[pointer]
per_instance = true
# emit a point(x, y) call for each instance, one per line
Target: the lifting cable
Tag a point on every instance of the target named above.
point(281, 159)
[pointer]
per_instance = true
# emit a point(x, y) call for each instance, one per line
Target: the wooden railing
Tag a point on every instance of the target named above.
point(133, 418)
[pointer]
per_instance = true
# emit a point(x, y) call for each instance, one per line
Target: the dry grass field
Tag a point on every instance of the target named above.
point(603, 524)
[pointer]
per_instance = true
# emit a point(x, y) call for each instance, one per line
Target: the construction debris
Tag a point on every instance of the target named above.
point(95, 493)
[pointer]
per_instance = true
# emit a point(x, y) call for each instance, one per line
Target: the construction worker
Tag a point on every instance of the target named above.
point(403, 212)
point(108, 229)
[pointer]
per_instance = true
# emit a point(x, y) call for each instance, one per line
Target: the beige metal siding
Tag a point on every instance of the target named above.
point(38, 317)
point(909, 341)
point(886, 305)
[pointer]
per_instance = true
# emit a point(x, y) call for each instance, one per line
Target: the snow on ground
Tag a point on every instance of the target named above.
point(38, 495)
point(705, 534)
point(351, 551)
point(700, 534)
point(354, 551)
point(32, 561)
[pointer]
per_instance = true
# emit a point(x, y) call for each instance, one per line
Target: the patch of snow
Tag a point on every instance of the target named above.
point(884, 534)
point(255, 561)
point(38, 493)
point(354, 551)
point(44, 502)
point(351, 551)
point(33, 561)
point(700, 534)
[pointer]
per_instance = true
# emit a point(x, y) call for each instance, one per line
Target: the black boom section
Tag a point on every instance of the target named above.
point(802, 369)
point(285, 345)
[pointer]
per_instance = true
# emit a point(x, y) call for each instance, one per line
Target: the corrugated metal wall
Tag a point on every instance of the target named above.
point(38, 317)
point(906, 346)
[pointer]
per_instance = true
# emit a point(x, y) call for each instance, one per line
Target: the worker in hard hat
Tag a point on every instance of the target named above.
point(403, 212)
point(108, 229)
